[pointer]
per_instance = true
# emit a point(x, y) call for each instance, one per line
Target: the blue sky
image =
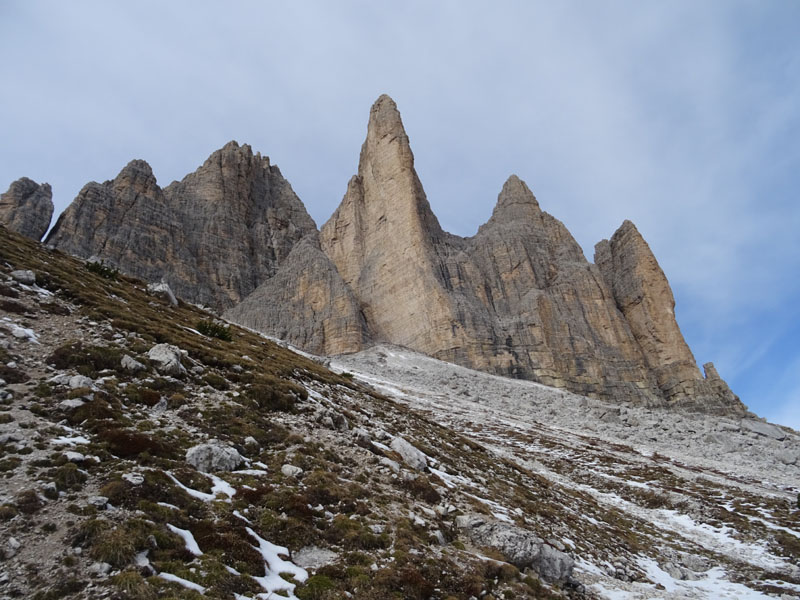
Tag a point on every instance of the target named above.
point(682, 116)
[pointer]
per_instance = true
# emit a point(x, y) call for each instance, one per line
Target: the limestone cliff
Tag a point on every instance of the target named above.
point(382, 240)
point(306, 304)
point(519, 298)
point(643, 295)
point(27, 208)
point(214, 236)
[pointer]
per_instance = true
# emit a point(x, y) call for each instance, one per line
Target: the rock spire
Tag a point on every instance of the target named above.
point(518, 298)
point(27, 208)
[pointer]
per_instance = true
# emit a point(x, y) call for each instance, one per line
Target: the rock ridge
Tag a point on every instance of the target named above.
point(183, 233)
point(519, 298)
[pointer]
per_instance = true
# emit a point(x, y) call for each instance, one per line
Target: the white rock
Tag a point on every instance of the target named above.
point(134, 478)
point(99, 502)
point(312, 557)
point(80, 381)
point(99, 569)
point(12, 547)
point(168, 358)
point(412, 457)
point(162, 290)
point(789, 457)
point(213, 456)
point(71, 403)
point(291, 470)
point(388, 462)
point(764, 429)
point(26, 277)
point(74, 457)
point(131, 365)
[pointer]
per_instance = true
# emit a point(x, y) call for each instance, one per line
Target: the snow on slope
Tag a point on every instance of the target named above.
point(711, 493)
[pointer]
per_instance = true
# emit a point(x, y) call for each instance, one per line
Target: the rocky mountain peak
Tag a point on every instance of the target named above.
point(643, 295)
point(184, 233)
point(27, 207)
point(137, 176)
point(384, 118)
point(516, 202)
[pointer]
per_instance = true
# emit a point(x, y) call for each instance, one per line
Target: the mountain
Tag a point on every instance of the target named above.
point(518, 299)
point(151, 451)
point(213, 237)
point(27, 208)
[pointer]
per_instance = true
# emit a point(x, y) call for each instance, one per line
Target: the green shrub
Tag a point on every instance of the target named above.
point(87, 360)
point(216, 330)
point(69, 477)
point(113, 546)
point(316, 588)
point(100, 268)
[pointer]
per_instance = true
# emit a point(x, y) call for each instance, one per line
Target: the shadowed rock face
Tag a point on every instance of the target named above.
point(214, 236)
point(306, 303)
point(27, 208)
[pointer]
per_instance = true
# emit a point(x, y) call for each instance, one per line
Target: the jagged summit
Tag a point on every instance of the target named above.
point(213, 236)
point(515, 202)
point(27, 207)
point(518, 299)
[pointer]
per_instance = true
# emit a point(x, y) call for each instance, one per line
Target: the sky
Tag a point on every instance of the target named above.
point(681, 116)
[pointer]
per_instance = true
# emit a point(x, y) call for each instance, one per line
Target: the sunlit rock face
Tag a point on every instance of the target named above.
point(518, 298)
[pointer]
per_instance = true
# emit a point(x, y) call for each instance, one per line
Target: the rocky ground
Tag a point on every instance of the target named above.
point(707, 500)
point(149, 450)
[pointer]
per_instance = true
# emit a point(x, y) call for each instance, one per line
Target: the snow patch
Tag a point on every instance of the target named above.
point(188, 539)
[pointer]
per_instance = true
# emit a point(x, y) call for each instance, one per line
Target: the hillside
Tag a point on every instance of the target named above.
point(236, 468)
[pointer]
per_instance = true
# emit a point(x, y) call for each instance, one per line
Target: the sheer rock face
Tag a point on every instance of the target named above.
point(519, 298)
point(27, 208)
point(306, 304)
point(382, 240)
point(643, 295)
point(550, 312)
point(214, 236)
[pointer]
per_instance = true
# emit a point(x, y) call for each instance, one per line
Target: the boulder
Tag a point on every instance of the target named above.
point(80, 381)
point(765, 429)
point(25, 277)
point(522, 548)
point(167, 359)
point(291, 470)
point(413, 457)
point(332, 419)
point(162, 290)
point(131, 365)
point(213, 456)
